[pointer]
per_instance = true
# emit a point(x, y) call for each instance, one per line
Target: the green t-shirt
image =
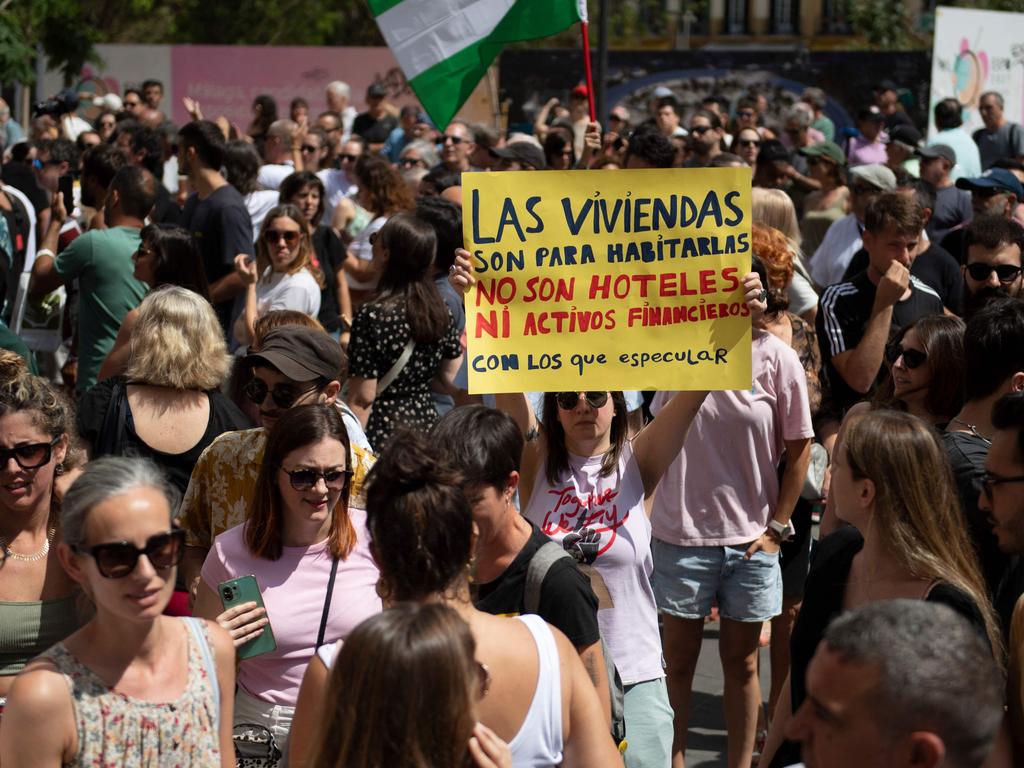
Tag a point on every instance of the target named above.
point(101, 261)
point(826, 126)
point(10, 341)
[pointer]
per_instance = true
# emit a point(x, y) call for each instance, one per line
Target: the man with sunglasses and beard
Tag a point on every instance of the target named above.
point(294, 366)
point(993, 246)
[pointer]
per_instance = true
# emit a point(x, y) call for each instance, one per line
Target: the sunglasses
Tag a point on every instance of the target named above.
point(912, 358)
point(456, 140)
point(310, 148)
point(274, 236)
point(700, 130)
point(348, 158)
point(119, 558)
point(283, 395)
point(745, 113)
point(990, 481)
point(569, 400)
point(1006, 273)
point(305, 479)
point(749, 142)
point(411, 162)
point(31, 456)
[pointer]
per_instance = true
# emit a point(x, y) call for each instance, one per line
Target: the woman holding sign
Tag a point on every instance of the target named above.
point(585, 484)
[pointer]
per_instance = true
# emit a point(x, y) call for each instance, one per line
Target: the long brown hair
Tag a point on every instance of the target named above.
point(407, 278)
point(305, 257)
point(402, 693)
point(917, 510)
point(297, 428)
point(556, 462)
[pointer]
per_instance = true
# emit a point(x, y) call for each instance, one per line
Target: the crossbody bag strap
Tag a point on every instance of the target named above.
point(327, 604)
point(397, 368)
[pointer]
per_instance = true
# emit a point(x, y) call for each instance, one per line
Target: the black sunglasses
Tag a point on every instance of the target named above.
point(347, 157)
point(700, 130)
point(117, 559)
point(456, 140)
point(989, 481)
point(304, 479)
point(912, 358)
point(31, 456)
point(568, 400)
point(411, 162)
point(283, 395)
point(1006, 273)
point(749, 142)
point(310, 148)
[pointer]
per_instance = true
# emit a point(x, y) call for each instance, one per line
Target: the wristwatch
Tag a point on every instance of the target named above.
point(784, 531)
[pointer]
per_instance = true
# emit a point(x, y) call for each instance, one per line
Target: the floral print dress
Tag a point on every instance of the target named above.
point(117, 730)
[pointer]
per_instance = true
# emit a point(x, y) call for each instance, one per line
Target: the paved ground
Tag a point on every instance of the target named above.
point(706, 743)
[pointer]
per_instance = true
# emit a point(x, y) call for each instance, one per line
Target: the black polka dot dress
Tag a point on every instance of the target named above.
point(380, 332)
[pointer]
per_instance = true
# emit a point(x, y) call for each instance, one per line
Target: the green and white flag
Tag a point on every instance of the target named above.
point(445, 46)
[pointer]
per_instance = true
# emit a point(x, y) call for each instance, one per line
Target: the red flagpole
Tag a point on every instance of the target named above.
point(589, 72)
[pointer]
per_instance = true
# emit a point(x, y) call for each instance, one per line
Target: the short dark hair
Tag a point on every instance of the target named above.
point(948, 114)
point(669, 101)
point(993, 346)
point(102, 163)
point(147, 83)
point(726, 160)
point(1008, 414)
point(891, 210)
point(991, 231)
point(137, 190)
point(924, 192)
point(145, 139)
point(206, 139)
point(485, 444)
point(419, 519)
point(442, 178)
point(446, 219)
point(177, 260)
point(61, 151)
point(241, 166)
point(995, 95)
point(132, 88)
point(935, 673)
point(651, 146)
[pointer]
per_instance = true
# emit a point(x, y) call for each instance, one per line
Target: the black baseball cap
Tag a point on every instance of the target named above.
point(905, 134)
point(300, 353)
point(525, 152)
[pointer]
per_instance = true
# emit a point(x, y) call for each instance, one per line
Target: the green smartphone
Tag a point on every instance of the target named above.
point(244, 589)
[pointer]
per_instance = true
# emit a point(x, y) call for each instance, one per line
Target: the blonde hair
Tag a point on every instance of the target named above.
point(917, 511)
point(304, 257)
point(774, 208)
point(177, 342)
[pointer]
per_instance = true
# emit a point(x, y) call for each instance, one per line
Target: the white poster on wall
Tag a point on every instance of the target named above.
point(974, 52)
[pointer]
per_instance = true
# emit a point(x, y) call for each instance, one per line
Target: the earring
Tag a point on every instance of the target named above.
point(59, 469)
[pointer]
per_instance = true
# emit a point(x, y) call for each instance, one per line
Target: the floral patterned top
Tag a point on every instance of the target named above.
point(117, 730)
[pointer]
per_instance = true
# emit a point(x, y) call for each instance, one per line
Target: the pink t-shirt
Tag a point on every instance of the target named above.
point(723, 487)
point(613, 507)
point(293, 590)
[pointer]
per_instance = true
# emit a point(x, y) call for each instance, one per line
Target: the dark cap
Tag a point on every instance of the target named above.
point(871, 113)
point(905, 134)
point(376, 91)
point(827, 149)
point(771, 151)
point(994, 178)
point(944, 151)
point(300, 353)
point(886, 85)
point(526, 152)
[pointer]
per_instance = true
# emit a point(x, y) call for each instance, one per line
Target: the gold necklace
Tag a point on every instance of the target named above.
point(5, 545)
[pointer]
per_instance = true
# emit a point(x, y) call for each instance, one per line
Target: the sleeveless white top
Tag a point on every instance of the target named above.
point(539, 741)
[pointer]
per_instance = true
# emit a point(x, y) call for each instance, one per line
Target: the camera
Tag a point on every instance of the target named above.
point(228, 593)
point(63, 103)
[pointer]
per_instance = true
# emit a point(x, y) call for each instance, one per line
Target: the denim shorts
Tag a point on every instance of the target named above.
point(687, 579)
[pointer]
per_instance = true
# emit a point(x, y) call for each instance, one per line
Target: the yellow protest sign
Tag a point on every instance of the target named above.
point(623, 279)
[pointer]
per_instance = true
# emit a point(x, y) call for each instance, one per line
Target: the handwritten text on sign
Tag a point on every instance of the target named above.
point(627, 279)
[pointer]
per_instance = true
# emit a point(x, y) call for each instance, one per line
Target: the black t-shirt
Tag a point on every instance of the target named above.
point(935, 268)
point(225, 416)
point(1003, 573)
point(823, 601)
point(566, 599)
point(165, 209)
point(223, 229)
point(373, 130)
point(331, 255)
point(843, 313)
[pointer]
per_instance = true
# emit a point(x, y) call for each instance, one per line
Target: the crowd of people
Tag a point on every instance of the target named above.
point(248, 508)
